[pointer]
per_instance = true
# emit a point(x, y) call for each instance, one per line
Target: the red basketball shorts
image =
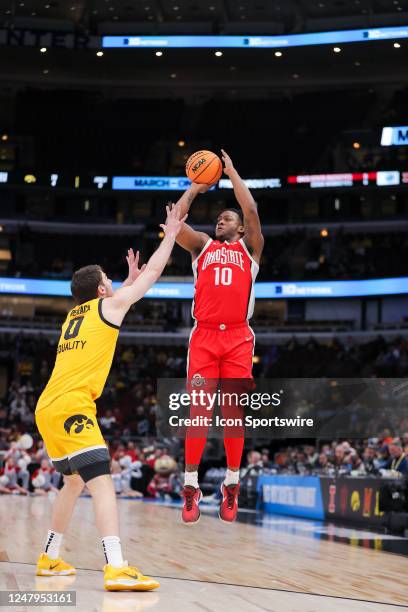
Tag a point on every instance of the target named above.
point(221, 351)
point(220, 358)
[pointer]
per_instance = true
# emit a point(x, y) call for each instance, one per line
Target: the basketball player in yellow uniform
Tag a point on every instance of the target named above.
point(66, 411)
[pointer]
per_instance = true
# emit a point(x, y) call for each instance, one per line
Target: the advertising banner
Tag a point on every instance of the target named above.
point(292, 495)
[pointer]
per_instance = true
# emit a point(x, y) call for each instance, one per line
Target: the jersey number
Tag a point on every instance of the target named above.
point(73, 328)
point(225, 276)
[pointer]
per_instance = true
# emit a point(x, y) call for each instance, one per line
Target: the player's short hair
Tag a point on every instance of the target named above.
point(237, 211)
point(85, 282)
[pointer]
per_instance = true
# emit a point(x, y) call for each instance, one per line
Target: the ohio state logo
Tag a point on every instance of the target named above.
point(197, 380)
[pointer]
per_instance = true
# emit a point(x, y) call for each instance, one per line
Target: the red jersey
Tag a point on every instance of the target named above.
point(224, 276)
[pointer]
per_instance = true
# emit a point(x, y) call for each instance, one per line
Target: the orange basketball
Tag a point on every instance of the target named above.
point(204, 167)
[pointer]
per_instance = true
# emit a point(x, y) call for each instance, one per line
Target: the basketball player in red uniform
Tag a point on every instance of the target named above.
point(221, 341)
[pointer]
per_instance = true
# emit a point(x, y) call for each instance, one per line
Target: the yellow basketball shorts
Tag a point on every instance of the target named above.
point(71, 433)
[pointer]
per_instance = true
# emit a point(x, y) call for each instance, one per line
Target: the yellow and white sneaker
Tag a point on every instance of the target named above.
point(53, 567)
point(127, 578)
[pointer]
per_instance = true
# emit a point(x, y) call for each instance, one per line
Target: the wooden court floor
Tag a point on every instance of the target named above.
point(209, 567)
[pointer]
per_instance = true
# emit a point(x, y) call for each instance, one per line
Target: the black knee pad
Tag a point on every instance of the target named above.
point(87, 472)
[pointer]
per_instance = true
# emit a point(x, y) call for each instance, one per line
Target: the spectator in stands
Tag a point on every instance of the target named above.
point(40, 453)
point(18, 408)
point(13, 478)
point(45, 479)
point(398, 460)
point(323, 465)
point(254, 465)
point(108, 422)
point(370, 464)
point(343, 460)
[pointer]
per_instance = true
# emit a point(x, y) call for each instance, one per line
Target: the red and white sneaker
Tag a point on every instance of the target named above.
point(229, 504)
point(191, 511)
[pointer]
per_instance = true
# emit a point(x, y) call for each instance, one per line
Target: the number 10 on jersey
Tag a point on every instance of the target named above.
point(223, 276)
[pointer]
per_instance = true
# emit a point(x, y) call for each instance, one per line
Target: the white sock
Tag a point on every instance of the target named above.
point(191, 479)
point(53, 544)
point(113, 551)
point(231, 478)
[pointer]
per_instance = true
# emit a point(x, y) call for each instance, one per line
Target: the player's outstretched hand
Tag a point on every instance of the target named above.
point(132, 259)
point(228, 165)
point(174, 221)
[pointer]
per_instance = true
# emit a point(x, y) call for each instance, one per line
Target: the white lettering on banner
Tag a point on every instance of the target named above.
point(12, 287)
point(292, 289)
point(224, 256)
point(290, 496)
point(267, 183)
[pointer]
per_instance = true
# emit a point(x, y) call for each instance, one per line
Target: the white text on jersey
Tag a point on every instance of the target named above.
point(223, 256)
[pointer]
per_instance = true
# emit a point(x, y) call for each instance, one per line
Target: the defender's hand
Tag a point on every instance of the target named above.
point(133, 264)
point(173, 223)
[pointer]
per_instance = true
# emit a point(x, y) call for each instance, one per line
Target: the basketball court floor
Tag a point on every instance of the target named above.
point(271, 563)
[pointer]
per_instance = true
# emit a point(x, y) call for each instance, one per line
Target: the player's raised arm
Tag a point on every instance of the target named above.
point(253, 233)
point(188, 238)
point(115, 308)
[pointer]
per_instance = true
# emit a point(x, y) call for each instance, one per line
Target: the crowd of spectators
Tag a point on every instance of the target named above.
point(153, 469)
point(148, 469)
point(291, 255)
point(129, 407)
point(129, 401)
point(383, 455)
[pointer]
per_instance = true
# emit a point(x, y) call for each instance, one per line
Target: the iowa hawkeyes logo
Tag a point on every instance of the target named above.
point(76, 423)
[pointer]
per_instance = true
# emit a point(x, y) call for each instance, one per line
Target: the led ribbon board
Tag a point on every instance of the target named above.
point(395, 136)
point(185, 291)
point(254, 42)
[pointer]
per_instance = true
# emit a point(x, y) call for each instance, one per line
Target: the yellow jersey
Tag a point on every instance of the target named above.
point(84, 354)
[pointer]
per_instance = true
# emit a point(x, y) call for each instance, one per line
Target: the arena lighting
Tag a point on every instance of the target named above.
point(30, 178)
point(278, 290)
point(337, 49)
point(256, 42)
point(4, 137)
point(356, 145)
point(397, 45)
point(278, 53)
point(43, 50)
point(99, 53)
point(159, 53)
point(181, 143)
point(218, 53)
point(324, 233)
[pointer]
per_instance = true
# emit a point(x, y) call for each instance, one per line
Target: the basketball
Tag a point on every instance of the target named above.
point(204, 167)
